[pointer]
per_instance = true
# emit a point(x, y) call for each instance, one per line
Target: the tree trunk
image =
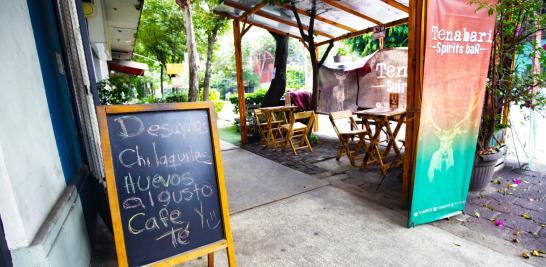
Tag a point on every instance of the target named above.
point(278, 84)
point(210, 51)
point(193, 93)
point(309, 39)
point(315, 96)
point(161, 81)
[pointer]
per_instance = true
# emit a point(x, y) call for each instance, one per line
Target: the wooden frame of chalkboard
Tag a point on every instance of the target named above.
point(105, 113)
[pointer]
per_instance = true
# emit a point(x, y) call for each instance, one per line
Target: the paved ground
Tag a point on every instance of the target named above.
point(332, 227)
point(282, 217)
point(521, 209)
point(253, 181)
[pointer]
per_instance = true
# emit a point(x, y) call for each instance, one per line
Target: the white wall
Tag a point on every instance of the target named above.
point(31, 178)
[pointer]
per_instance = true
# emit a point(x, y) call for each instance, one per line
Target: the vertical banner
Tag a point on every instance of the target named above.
point(457, 51)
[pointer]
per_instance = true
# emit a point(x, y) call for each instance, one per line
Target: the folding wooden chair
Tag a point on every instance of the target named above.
point(298, 129)
point(346, 138)
point(263, 125)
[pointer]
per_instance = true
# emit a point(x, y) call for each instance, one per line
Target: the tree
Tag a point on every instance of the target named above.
point(364, 45)
point(193, 93)
point(517, 22)
point(161, 34)
point(278, 84)
point(308, 38)
point(209, 26)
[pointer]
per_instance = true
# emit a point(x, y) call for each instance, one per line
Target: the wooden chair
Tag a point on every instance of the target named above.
point(298, 129)
point(346, 138)
point(263, 125)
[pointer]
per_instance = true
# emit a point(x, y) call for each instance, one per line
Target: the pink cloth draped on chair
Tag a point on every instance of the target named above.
point(301, 98)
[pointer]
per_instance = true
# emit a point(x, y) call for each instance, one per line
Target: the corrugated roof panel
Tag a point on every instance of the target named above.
point(336, 17)
point(334, 14)
point(376, 9)
point(288, 15)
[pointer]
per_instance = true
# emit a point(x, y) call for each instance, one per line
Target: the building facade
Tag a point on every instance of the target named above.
point(53, 53)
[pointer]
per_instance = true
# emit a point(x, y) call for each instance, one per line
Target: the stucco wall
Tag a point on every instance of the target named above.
point(31, 177)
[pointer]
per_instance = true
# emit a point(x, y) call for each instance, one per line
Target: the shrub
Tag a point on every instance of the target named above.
point(117, 89)
point(181, 96)
point(256, 98)
point(214, 97)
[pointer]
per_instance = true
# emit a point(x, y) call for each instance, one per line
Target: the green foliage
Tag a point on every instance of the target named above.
point(341, 51)
point(161, 33)
point(204, 21)
point(150, 99)
point(256, 98)
point(295, 77)
point(314, 138)
point(214, 97)
point(509, 83)
point(364, 45)
point(180, 96)
point(118, 89)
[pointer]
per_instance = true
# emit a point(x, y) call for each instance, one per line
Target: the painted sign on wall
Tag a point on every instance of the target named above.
point(458, 46)
point(367, 83)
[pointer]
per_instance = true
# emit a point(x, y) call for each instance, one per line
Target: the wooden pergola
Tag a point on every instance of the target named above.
point(336, 21)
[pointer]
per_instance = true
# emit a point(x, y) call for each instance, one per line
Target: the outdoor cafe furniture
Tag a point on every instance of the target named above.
point(346, 138)
point(263, 126)
point(382, 118)
point(296, 128)
point(275, 117)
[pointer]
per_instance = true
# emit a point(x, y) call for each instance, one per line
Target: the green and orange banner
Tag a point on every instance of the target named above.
point(458, 47)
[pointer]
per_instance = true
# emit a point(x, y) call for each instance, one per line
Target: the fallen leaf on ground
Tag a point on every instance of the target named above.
point(537, 253)
point(477, 214)
point(456, 244)
point(515, 240)
point(526, 216)
point(525, 255)
point(500, 190)
point(517, 181)
point(499, 223)
point(489, 207)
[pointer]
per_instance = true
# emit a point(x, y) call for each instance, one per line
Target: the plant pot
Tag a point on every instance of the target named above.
point(338, 59)
point(502, 160)
point(484, 168)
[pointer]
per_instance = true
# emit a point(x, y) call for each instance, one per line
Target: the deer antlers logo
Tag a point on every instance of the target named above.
point(339, 90)
point(443, 156)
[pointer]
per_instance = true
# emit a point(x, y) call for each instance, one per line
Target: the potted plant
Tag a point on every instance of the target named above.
point(341, 55)
point(514, 77)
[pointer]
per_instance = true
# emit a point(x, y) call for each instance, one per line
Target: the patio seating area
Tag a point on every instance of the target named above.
point(495, 212)
point(322, 162)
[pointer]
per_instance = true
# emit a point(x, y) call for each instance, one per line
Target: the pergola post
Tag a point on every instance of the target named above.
point(416, 55)
point(237, 37)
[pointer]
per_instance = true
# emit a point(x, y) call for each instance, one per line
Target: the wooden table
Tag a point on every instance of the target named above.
point(382, 118)
point(270, 115)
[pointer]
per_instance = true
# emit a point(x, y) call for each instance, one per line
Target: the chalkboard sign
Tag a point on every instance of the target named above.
point(165, 182)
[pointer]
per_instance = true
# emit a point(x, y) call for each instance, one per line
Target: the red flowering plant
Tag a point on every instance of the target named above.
point(514, 75)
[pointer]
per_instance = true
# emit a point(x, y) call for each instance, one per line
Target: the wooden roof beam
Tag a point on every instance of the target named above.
point(275, 18)
point(223, 14)
point(361, 32)
point(349, 10)
point(253, 10)
point(396, 5)
point(320, 18)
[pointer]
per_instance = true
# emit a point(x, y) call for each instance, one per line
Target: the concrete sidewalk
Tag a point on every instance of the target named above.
point(330, 227)
point(282, 217)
